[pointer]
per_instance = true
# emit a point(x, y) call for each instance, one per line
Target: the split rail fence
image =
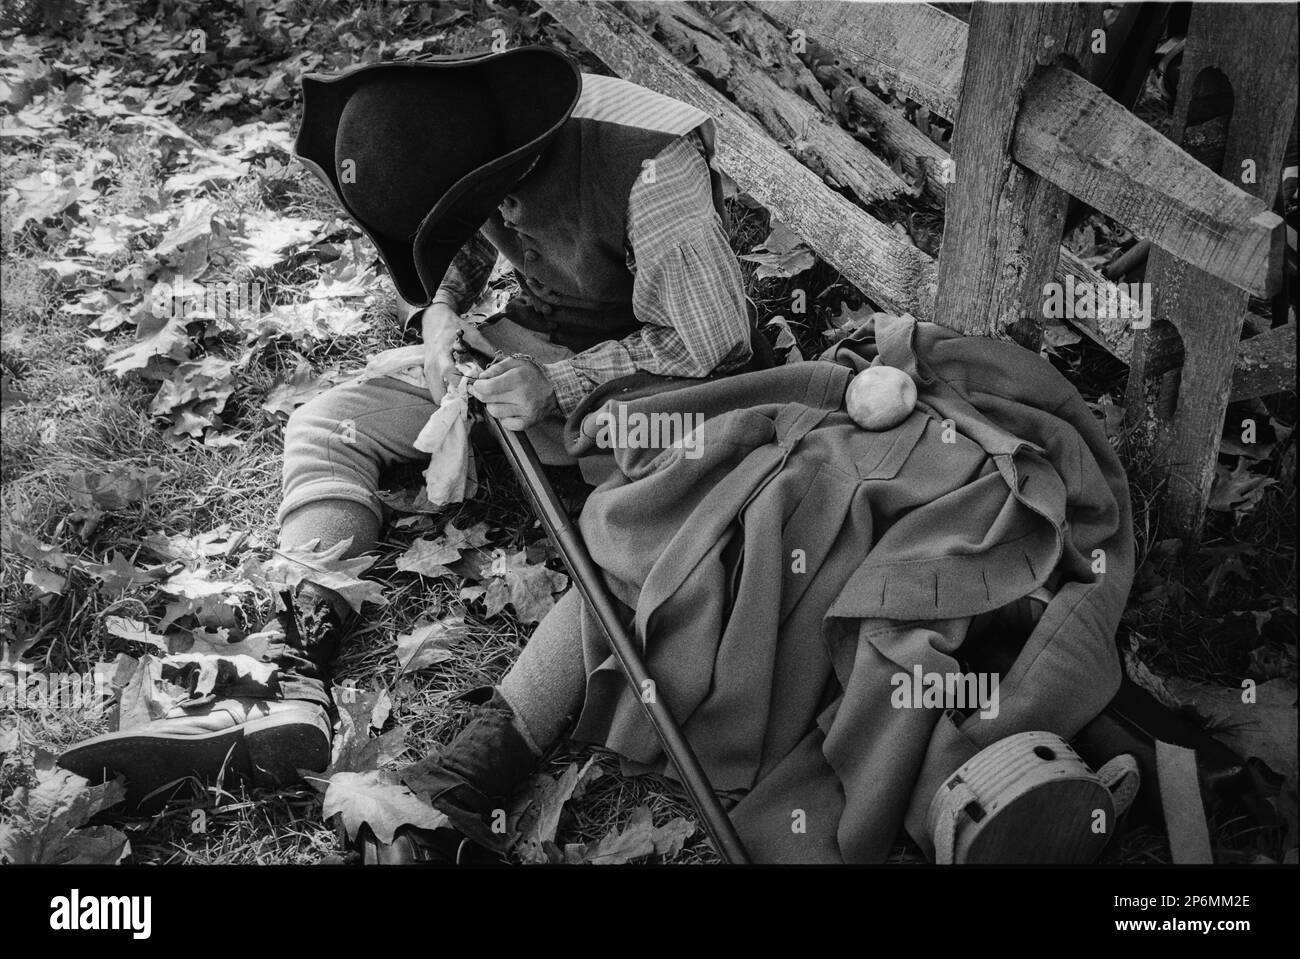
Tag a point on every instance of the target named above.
point(1033, 127)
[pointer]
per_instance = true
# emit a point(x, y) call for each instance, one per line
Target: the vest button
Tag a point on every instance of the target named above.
point(544, 308)
point(530, 256)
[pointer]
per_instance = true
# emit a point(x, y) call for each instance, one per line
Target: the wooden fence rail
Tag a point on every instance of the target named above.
point(1032, 130)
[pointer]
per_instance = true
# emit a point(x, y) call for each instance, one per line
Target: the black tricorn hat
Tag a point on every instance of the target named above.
point(419, 152)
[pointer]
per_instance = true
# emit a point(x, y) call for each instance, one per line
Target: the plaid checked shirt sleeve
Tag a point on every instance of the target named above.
point(468, 274)
point(687, 287)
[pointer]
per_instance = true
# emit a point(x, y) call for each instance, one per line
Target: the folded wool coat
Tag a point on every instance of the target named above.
point(790, 568)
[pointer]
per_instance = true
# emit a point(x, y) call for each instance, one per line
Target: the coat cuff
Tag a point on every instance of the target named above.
point(569, 388)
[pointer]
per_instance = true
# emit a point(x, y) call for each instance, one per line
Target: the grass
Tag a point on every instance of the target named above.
point(74, 417)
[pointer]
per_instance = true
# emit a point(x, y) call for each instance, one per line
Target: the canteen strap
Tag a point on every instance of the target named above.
point(1123, 778)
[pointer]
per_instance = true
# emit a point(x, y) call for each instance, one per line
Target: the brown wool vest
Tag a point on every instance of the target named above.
point(564, 228)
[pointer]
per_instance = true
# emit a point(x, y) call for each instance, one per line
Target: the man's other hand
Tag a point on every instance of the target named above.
point(516, 392)
point(439, 326)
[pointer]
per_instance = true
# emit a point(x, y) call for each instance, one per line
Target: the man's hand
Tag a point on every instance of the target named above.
point(439, 326)
point(516, 392)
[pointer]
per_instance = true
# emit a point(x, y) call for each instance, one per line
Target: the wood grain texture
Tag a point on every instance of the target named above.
point(1003, 225)
point(1255, 47)
point(894, 273)
point(913, 47)
point(1074, 135)
point(1265, 364)
point(920, 156)
point(1258, 370)
point(1112, 333)
point(817, 140)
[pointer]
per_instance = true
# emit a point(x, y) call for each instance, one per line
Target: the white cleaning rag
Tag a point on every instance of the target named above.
point(450, 476)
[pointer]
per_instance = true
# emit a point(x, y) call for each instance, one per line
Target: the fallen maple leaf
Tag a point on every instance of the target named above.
point(547, 795)
point(193, 550)
point(381, 709)
point(14, 540)
point(266, 238)
point(782, 254)
point(95, 846)
point(310, 320)
point(196, 584)
point(156, 337)
point(641, 838)
point(134, 631)
point(195, 220)
point(289, 393)
point(431, 557)
point(1238, 490)
point(1264, 728)
point(377, 800)
point(326, 568)
point(529, 587)
point(409, 501)
point(430, 643)
point(113, 490)
point(42, 195)
point(46, 574)
point(849, 321)
point(194, 393)
point(120, 574)
point(354, 749)
point(785, 340)
point(46, 582)
point(42, 822)
point(144, 696)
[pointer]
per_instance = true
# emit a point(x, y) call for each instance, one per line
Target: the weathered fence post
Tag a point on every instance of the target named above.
point(1178, 415)
point(1003, 224)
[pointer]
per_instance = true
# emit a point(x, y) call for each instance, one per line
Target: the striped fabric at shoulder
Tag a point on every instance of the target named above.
point(611, 100)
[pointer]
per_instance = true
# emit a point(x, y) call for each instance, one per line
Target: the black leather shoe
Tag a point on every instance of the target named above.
point(261, 742)
point(469, 783)
point(411, 846)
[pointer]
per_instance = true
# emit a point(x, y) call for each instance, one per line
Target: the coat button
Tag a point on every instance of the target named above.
point(530, 256)
point(545, 308)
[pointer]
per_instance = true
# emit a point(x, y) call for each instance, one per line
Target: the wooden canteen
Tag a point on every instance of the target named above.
point(1029, 798)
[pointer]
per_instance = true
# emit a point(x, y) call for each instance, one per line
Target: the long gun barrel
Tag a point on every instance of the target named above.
point(591, 584)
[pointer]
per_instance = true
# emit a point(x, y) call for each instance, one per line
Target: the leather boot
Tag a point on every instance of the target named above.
point(262, 738)
point(468, 782)
point(259, 741)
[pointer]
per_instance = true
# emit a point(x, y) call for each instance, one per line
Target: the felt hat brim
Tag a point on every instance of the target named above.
point(418, 266)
